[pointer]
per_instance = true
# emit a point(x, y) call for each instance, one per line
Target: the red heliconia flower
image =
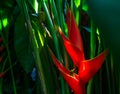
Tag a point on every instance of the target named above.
point(74, 46)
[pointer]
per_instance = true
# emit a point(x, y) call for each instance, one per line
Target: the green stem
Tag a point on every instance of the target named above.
point(52, 31)
point(112, 73)
point(11, 70)
point(108, 77)
point(92, 40)
point(55, 12)
point(60, 12)
point(51, 28)
point(1, 79)
point(10, 63)
point(80, 11)
point(92, 52)
point(37, 58)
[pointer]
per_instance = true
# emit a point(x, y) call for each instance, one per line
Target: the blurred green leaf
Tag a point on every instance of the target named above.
point(22, 45)
point(84, 5)
point(77, 2)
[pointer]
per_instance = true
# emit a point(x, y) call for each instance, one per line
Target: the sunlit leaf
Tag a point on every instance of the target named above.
point(77, 2)
point(5, 22)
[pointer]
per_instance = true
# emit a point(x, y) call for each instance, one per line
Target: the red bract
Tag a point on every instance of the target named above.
point(73, 80)
point(74, 33)
point(74, 46)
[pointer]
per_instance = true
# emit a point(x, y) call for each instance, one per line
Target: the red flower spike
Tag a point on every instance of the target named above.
point(90, 67)
point(72, 80)
point(74, 46)
point(87, 70)
point(73, 51)
point(58, 64)
point(73, 30)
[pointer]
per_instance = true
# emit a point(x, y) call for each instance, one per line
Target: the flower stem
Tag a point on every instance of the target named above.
point(92, 52)
point(10, 63)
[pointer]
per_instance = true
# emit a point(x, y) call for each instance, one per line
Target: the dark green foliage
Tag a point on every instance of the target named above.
point(22, 45)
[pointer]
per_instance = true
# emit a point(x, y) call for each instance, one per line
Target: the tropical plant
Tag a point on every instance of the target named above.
point(30, 28)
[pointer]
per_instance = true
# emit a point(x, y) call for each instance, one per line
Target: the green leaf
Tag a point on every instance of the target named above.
point(22, 45)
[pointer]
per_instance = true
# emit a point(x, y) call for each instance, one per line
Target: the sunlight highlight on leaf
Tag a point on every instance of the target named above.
point(97, 32)
point(36, 6)
point(77, 3)
point(5, 22)
point(41, 39)
point(66, 30)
